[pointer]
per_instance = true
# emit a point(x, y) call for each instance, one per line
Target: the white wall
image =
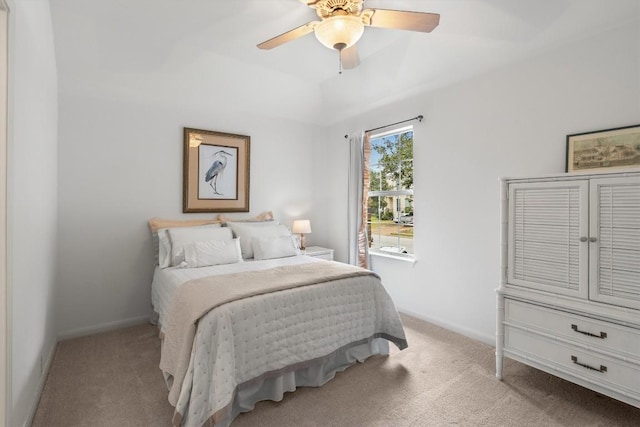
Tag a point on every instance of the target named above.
point(125, 96)
point(120, 163)
point(32, 200)
point(510, 122)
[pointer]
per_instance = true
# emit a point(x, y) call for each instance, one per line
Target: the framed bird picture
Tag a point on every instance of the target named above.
point(216, 171)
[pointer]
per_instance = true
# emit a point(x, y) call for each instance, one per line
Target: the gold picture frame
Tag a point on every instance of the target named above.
point(608, 149)
point(216, 171)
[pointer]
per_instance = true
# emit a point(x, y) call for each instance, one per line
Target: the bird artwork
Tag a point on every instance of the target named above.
point(216, 169)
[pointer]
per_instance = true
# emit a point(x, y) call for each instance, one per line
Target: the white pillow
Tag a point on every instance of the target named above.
point(164, 248)
point(212, 252)
point(247, 231)
point(185, 235)
point(275, 247)
point(157, 224)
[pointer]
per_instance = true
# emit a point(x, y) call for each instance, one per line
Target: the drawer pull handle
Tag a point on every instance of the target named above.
point(574, 359)
point(602, 335)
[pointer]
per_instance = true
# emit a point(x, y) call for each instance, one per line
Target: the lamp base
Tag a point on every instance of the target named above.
point(302, 242)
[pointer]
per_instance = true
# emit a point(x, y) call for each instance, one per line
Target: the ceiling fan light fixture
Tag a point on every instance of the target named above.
point(339, 32)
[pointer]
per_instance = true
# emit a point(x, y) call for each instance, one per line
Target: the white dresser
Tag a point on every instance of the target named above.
point(569, 298)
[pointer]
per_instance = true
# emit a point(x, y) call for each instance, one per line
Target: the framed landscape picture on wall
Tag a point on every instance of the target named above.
point(216, 171)
point(604, 150)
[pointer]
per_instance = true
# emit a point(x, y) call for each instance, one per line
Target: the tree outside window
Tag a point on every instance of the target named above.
point(390, 207)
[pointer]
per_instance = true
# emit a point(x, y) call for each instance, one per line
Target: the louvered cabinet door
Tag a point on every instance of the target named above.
point(548, 245)
point(614, 275)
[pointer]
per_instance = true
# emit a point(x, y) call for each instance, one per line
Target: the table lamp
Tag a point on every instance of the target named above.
point(302, 227)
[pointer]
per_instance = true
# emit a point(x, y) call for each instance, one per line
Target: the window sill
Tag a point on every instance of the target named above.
point(409, 258)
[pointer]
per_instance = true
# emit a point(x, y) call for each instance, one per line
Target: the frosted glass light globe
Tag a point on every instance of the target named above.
point(339, 32)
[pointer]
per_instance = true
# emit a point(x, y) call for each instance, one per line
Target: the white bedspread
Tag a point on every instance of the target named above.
point(247, 340)
point(166, 280)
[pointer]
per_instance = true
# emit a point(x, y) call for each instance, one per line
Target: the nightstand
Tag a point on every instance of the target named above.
point(319, 252)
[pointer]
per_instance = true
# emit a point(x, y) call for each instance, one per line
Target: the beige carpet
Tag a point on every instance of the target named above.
point(442, 379)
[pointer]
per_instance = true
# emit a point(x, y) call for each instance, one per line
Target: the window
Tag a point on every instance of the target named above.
point(390, 207)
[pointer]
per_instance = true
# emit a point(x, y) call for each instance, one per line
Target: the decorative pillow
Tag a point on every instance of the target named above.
point(275, 247)
point(247, 231)
point(185, 235)
point(212, 252)
point(155, 224)
point(264, 216)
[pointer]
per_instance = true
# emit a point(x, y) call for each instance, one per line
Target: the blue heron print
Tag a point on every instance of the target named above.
point(217, 169)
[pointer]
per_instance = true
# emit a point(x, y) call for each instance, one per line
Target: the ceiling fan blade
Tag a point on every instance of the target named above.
point(402, 20)
point(283, 38)
point(350, 57)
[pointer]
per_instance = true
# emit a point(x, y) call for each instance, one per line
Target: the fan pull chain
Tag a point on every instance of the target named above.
point(340, 47)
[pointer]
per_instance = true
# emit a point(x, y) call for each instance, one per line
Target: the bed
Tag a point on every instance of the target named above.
point(263, 322)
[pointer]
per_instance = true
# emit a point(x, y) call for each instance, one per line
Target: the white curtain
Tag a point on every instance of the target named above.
point(357, 203)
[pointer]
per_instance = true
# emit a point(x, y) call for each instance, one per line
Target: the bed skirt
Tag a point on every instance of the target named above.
point(275, 385)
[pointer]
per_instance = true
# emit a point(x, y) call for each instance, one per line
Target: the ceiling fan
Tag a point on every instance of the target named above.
point(342, 24)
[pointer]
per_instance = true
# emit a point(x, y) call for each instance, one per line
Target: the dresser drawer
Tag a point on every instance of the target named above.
point(596, 368)
point(596, 334)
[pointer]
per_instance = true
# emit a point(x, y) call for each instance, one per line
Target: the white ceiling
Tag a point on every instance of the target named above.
point(97, 40)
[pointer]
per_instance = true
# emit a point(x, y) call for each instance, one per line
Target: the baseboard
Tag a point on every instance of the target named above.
point(43, 379)
point(487, 339)
point(103, 327)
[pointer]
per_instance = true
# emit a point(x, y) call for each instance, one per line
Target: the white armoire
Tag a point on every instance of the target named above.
point(569, 298)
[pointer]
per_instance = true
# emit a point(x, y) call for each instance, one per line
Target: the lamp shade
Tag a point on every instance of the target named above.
point(302, 226)
point(339, 32)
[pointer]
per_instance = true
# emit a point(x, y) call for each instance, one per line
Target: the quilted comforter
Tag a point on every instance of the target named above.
point(275, 326)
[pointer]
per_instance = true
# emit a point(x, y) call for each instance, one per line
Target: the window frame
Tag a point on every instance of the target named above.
point(396, 192)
